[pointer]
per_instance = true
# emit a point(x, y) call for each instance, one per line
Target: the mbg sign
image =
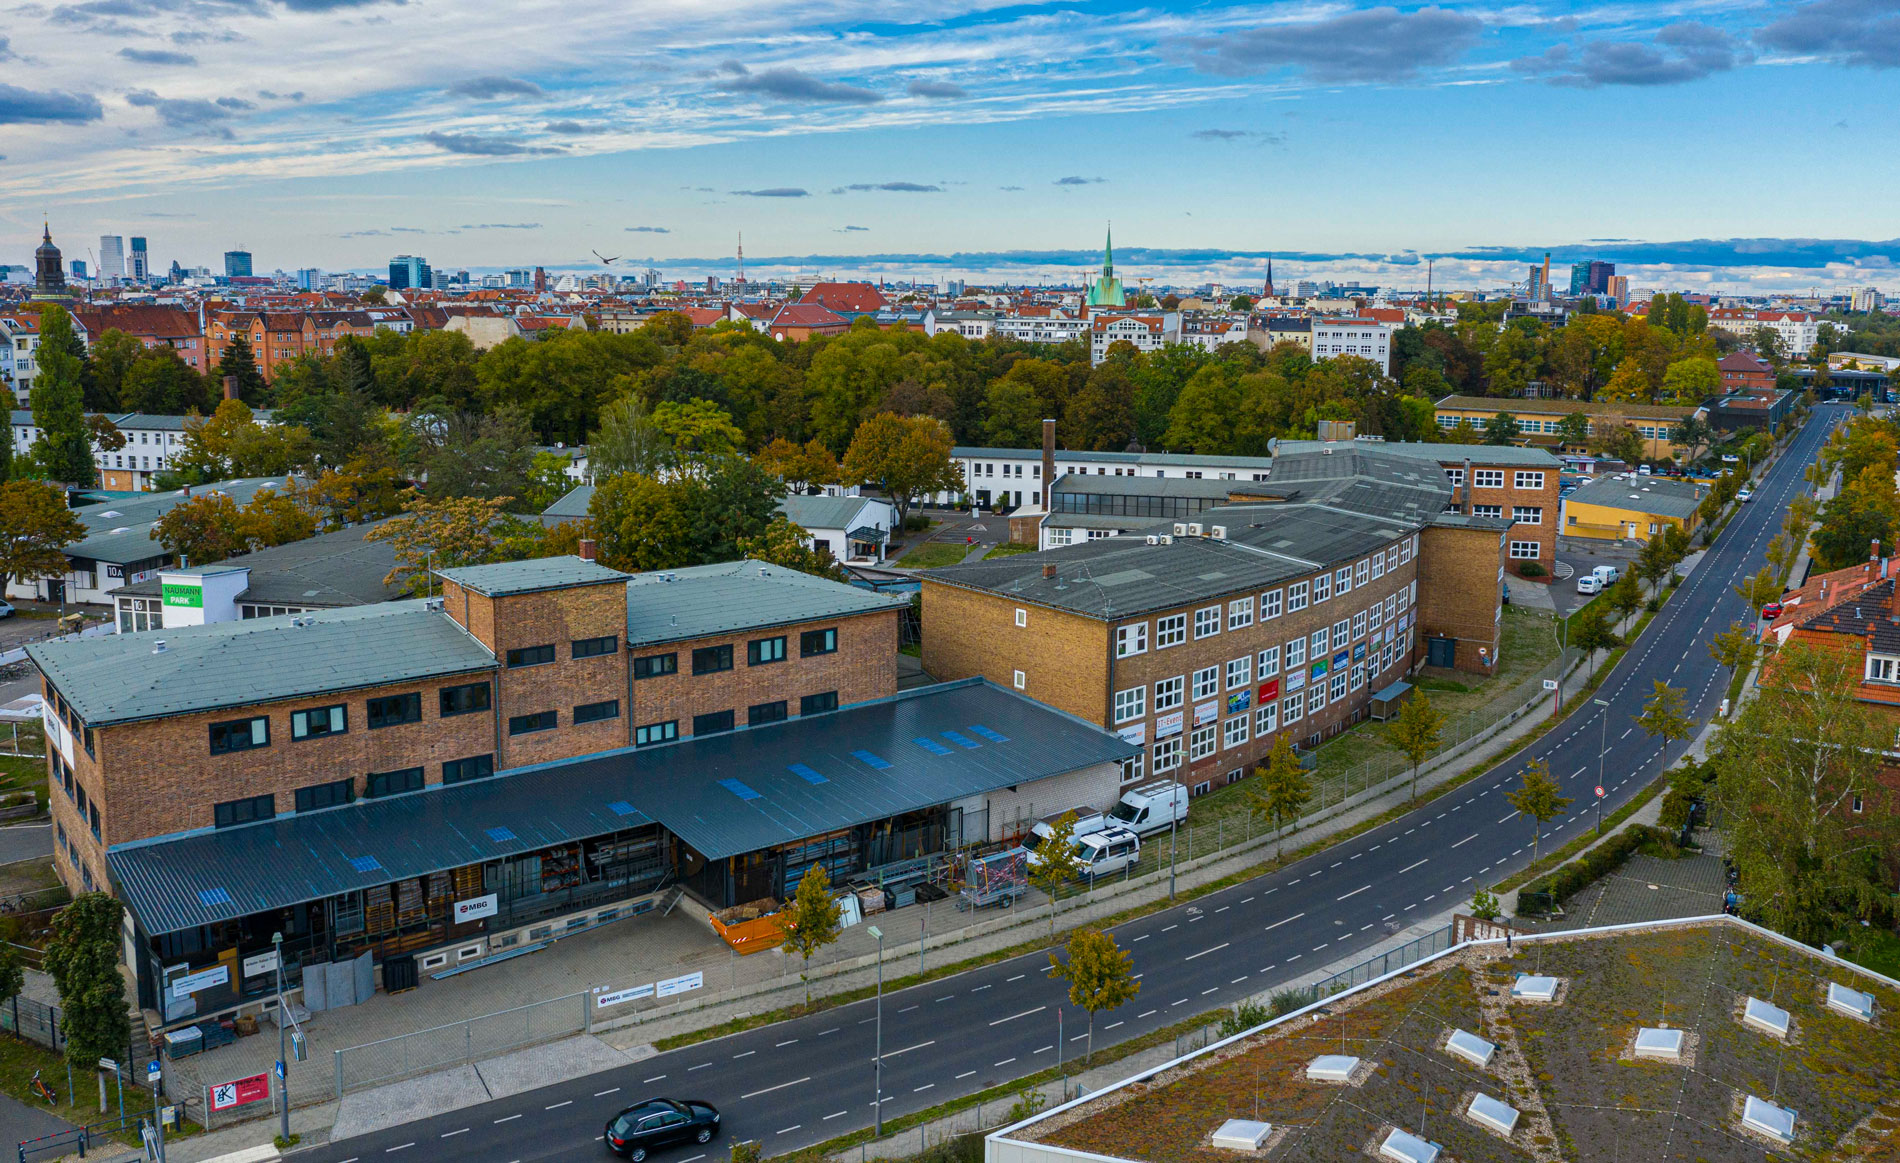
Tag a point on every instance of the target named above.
point(477, 908)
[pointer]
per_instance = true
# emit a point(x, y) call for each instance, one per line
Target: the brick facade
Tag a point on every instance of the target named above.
point(1530, 498)
point(968, 634)
point(1465, 568)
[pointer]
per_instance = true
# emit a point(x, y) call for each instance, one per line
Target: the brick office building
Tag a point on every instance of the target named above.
point(1281, 611)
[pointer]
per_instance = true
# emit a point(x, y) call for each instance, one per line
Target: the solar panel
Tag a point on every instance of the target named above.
point(871, 759)
point(985, 732)
point(498, 835)
point(738, 788)
point(808, 774)
point(365, 863)
point(623, 808)
point(208, 897)
point(932, 746)
point(961, 740)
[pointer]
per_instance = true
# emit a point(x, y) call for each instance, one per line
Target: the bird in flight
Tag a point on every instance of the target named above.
point(604, 260)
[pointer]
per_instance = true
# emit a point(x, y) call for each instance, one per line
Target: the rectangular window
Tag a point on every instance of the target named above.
point(244, 811)
point(538, 721)
point(1266, 720)
point(759, 714)
point(1455, 475)
point(1167, 754)
point(655, 665)
point(1524, 550)
point(1131, 704)
point(1268, 663)
point(1295, 654)
point(712, 724)
point(463, 700)
point(653, 733)
point(1240, 613)
point(1375, 615)
point(1358, 677)
point(1487, 511)
point(1170, 631)
point(1342, 581)
point(1391, 604)
point(463, 770)
point(1527, 514)
point(1131, 640)
point(1207, 622)
point(1378, 565)
point(531, 655)
point(1316, 695)
point(595, 712)
point(1234, 731)
point(712, 659)
point(318, 722)
point(392, 783)
point(1322, 588)
point(1203, 743)
point(1529, 480)
point(1337, 690)
point(1488, 478)
point(760, 651)
point(817, 642)
point(595, 647)
point(1134, 767)
point(1359, 625)
point(818, 704)
point(1269, 605)
point(334, 794)
point(1239, 672)
point(240, 735)
point(1168, 693)
point(1319, 643)
point(1296, 597)
point(1359, 574)
point(391, 710)
point(1206, 682)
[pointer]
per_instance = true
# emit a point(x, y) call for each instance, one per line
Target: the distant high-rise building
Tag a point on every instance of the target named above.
point(79, 269)
point(1580, 278)
point(520, 277)
point(1617, 287)
point(111, 256)
point(1600, 275)
point(1867, 299)
point(1305, 289)
point(310, 279)
point(141, 260)
point(410, 272)
point(237, 264)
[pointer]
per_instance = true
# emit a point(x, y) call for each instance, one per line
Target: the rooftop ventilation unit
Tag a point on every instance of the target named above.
point(1408, 1148)
point(1218, 532)
point(1331, 1068)
point(1766, 1017)
point(1470, 1047)
point(1529, 988)
point(1851, 1002)
point(1652, 1042)
point(158, 647)
point(1777, 1122)
point(1180, 529)
point(1489, 1112)
point(1166, 540)
point(1241, 1135)
point(1153, 540)
point(1194, 529)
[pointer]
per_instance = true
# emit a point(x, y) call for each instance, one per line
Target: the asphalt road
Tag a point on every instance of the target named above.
point(800, 1082)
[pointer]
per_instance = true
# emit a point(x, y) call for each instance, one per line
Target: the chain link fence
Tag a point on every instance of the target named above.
point(471, 1040)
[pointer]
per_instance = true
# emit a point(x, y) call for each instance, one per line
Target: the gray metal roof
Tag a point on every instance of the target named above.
point(119, 678)
point(1165, 459)
point(531, 575)
point(339, 568)
point(708, 600)
point(826, 512)
point(119, 531)
point(1640, 494)
point(1448, 454)
point(1104, 486)
point(572, 507)
point(722, 795)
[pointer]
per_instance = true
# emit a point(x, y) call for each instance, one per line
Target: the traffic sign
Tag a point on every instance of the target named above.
point(1599, 791)
point(1550, 684)
point(152, 1072)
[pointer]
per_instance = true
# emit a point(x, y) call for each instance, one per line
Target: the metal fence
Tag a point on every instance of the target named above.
point(470, 1040)
point(33, 1020)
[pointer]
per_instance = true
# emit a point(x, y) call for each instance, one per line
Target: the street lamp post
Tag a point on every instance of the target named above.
point(877, 1061)
point(1603, 736)
point(1174, 831)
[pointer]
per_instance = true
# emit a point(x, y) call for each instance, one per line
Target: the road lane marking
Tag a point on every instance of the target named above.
point(701, 1066)
point(964, 1075)
point(391, 1150)
point(1171, 928)
point(1321, 945)
point(745, 1054)
point(558, 1105)
point(1205, 992)
point(1205, 952)
point(907, 1009)
point(1223, 908)
point(780, 1086)
point(1018, 977)
point(1105, 1029)
point(512, 1118)
point(1294, 958)
point(905, 1050)
point(605, 1093)
point(924, 1087)
point(785, 1043)
point(1356, 891)
point(839, 1115)
point(1013, 1017)
point(452, 1134)
point(1044, 1050)
point(790, 1129)
point(1238, 980)
point(1467, 839)
point(1410, 867)
point(1138, 1017)
point(1143, 937)
point(1007, 1061)
point(1277, 924)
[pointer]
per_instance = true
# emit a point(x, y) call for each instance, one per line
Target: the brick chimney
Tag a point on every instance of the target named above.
point(1048, 466)
point(587, 549)
point(1873, 554)
point(1464, 490)
point(1049, 570)
point(230, 388)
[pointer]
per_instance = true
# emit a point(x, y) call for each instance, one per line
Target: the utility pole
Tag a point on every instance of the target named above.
point(1174, 832)
point(1603, 736)
point(877, 1062)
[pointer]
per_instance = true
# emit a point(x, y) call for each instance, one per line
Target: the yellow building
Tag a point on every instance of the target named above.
point(1539, 421)
point(1631, 507)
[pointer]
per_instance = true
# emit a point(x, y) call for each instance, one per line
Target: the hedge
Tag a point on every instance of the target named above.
point(1560, 884)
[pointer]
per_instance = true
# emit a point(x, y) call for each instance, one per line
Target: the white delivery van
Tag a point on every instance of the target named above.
point(1589, 583)
point(1087, 820)
point(1607, 575)
point(1106, 852)
point(1151, 808)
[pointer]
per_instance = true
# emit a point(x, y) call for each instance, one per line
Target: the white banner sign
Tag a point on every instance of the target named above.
point(477, 908)
point(1136, 734)
point(260, 963)
point(191, 983)
point(1206, 713)
point(675, 985)
point(1168, 725)
point(603, 1000)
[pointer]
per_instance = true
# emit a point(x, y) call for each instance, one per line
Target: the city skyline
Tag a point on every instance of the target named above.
point(1354, 142)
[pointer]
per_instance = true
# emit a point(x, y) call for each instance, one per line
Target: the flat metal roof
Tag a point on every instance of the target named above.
point(702, 601)
point(531, 575)
point(722, 795)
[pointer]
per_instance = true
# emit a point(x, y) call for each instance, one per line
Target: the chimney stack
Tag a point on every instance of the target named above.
point(230, 387)
point(1464, 489)
point(1049, 570)
point(1874, 553)
point(1048, 466)
point(587, 549)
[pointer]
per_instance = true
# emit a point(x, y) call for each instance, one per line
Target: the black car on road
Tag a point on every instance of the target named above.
point(644, 1127)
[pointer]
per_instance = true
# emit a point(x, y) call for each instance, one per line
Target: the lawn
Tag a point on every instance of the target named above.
point(933, 554)
point(1009, 549)
point(20, 1058)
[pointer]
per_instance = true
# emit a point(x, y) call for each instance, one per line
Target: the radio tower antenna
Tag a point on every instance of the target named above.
point(742, 256)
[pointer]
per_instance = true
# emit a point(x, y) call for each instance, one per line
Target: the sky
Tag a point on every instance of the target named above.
point(1730, 145)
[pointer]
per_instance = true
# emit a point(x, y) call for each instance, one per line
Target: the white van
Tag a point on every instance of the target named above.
point(1103, 853)
point(1087, 821)
point(1589, 583)
point(1152, 808)
point(1608, 575)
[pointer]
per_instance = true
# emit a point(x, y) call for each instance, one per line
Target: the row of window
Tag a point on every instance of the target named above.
point(758, 652)
point(320, 722)
point(1493, 478)
point(715, 722)
point(1520, 514)
point(337, 793)
point(1172, 629)
point(549, 720)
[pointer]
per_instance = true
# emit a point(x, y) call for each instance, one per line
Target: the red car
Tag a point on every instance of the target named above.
point(1771, 611)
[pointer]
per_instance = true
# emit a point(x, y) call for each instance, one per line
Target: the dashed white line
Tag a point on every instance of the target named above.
point(1294, 958)
point(605, 1093)
point(780, 1086)
point(1238, 980)
point(790, 1129)
point(512, 1118)
point(701, 1066)
point(1143, 937)
point(1013, 1017)
point(1043, 1050)
point(392, 1150)
point(1410, 867)
point(892, 1054)
point(1018, 977)
point(1321, 945)
point(1138, 1017)
point(1355, 892)
point(785, 1043)
point(1277, 924)
point(745, 1054)
point(964, 1075)
point(1007, 1061)
point(452, 1134)
point(1205, 952)
point(924, 1087)
point(1508, 819)
point(838, 1115)
point(1467, 839)
point(1205, 992)
point(558, 1105)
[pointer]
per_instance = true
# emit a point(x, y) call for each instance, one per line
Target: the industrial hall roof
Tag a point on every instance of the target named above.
point(722, 795)
point(119, 531)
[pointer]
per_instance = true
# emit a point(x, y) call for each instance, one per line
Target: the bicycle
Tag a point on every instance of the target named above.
point(43, 1090)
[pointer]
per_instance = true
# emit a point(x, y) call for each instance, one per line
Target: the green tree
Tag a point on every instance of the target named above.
point(1240, 303)
point(1790, 769)
point(1694, 435)
point(83, 959)
point(698, 426)
point(1502, 428)
point(800, 466)
point(1734, 648)
point(784, 543)
point(1666, 716)
point(627, 441)
point(464, 454)
point(35, 527)
point(63, 450)
point(1575, 428)
point(1538, 797)
point(1014, 416)
point(1691, 381)
point(233, 444)
point(113, 354)
point(905, 458)
point(445, 534)
point(1415, 732)
point(1099, 974)
point(1652, 562)
point(1591, 632)
point(1759, 589)
point(239, 361)
point(1625, 597)
point(1280, 790)
point(158, 381)
point(1054, 863)
point(810, 920)
point(201, 529)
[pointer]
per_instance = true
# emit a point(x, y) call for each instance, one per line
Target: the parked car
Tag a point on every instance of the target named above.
point(1731, 458)
point(6, 609)
point(1105, 853)
point(1644, 470)
point(1771, 611)
point(1589, 583)
point(1087, 820)
point(1151, 808)
point(644, 1127)
point(1745, 495)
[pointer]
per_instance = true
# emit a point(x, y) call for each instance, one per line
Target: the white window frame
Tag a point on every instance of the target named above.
point(1525, 479)
point(1496, 511)
point(1375, 616)
point(1240, 672)
point(1295, 653)
point(1320, 643)
point(1269, 605)
point(1266, 719)
point(1134, 767)
point(1322, 588)
point(1360, 572)
point(1378, 565)
point(1170, 631)
point(1487, 478)
point(1167, 754)
point(1206, 682)
point(1527, 514)
point(1879, 669)
point(1525, 550)
point(1131, 704)
point(1359, 625)
point(1021, 680)
point(1206, 622)
point(1316, 695)
point(1267, 663)
point(1170, 693)
point(1234, 731)
point(1293, 708)
point(1296, 597)
point(1240, 613)
point(1203, 742)
point(1358, 677)
point(1022, 616)
point(1131, 640)
point(1337, 689)
point(1342, 633)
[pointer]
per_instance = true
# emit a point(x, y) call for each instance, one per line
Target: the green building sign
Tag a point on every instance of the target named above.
point(185, 594)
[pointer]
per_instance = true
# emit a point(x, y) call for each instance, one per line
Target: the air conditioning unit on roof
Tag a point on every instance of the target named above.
point(1180, 529)
point(1218, 532)
point(1194, 529)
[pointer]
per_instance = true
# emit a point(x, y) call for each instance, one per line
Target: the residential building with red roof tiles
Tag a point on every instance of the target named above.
point(151, 325)
point(847, 298)
point(796, 322)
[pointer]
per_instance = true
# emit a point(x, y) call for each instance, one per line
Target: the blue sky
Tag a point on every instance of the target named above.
point(1708, 138)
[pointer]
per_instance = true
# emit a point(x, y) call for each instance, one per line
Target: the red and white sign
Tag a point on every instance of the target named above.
point(240, 1092)
point(1599, 791)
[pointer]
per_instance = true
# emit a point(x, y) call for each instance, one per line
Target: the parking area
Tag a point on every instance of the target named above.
point(1577, 556)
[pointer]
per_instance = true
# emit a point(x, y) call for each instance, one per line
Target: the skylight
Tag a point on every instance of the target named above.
point(739, 788)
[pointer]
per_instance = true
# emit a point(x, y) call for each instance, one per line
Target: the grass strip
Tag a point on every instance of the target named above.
point(1565, 854)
